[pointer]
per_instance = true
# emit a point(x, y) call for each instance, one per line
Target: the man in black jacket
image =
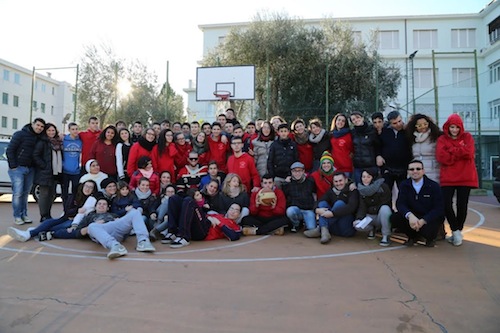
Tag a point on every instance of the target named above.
point(21, 169)
point(282, 154)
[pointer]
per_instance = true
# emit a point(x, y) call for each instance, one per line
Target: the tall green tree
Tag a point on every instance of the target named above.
point(293, 60)
point(100, 94)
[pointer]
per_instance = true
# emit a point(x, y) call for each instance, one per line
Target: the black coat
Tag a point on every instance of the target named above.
point(21, 147)
point(42, 158)
point(365, 141)
point(282, 154)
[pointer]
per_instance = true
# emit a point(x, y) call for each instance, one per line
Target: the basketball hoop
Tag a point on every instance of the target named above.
point(223, 95)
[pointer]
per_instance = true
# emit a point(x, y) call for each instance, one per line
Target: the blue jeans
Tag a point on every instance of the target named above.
point(51, 225)
point(295, 214)
point(338, 225)
point(22, 181)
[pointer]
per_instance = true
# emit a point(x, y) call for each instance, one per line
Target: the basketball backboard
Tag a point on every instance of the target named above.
point(239, 81)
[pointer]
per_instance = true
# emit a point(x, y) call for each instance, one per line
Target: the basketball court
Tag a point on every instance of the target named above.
point(257, 284)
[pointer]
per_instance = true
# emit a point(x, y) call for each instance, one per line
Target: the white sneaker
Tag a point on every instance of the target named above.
point(18, 221)
point(116, 251)
point(178, 243)
point(19, 235)
point(145, 246)
point(457, 238)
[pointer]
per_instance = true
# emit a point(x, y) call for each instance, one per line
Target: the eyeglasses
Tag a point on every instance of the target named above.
point(181, 138)
point(422, 125)
point(235, 209)
point(90, 187)
point(415, 169)
point(193, 158)
point(236, 143)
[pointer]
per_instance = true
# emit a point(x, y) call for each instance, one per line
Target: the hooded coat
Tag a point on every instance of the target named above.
point(456, 156)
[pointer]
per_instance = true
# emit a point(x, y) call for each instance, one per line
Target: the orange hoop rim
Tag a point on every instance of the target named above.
point(222, 94)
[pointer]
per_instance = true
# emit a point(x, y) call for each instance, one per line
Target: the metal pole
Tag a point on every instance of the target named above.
point(327, 107)
point(268, 97)
point(32, 92)
point(436, 95)
point(479, 153)
point(116, 85)
point(76, 93)
point(414, 107)
point(166, 98)
point(376, 84)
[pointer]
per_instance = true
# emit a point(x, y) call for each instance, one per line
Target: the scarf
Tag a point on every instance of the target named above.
point(200, 148)
point(371, 189)
point(337, 192)
point(421, 137)
point(361, 130)
point(55, 143)
point(141, 195)
point(146, 173)
point(341, 132)
point(146, 144)
point(264, 138)
point(301, 139)
point(301, 179)
point(317, 138)
point(56, 162)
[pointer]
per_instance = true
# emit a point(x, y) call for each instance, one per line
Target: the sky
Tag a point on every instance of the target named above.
point(53, 33)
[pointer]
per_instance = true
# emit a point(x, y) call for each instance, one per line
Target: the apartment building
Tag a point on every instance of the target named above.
point(52, 100)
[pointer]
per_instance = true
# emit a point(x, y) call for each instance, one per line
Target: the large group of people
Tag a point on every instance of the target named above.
point(179, 182)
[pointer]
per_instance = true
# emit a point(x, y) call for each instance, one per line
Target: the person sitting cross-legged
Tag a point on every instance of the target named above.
point(266, 217)
point(420, 206)
point(336, 211)
point(105, 229)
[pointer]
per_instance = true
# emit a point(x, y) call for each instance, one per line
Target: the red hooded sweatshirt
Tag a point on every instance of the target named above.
point(456, 156)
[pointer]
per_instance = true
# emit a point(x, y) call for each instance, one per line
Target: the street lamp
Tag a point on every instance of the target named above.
point(412, 80)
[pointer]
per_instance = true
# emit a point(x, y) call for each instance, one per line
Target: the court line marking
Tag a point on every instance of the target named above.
point(231, 260)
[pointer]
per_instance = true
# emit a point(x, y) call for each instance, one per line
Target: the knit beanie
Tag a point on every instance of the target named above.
point(326, 156)
point(106, 181)
point(87, 165)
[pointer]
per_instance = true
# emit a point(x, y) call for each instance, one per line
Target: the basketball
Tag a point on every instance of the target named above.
point(266, 197)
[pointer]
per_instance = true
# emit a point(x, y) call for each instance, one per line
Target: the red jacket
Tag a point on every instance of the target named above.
point(305, 152)
point(456, 156)
point(218, 153)
point(105, 156)
point(342, 150)
point(136, 151)
point(268, 211)
point(244, 166)
point(154, 182)
point(88, 138)
point(216, 232)
point(182, 155)
point(323, 183)
point(165, 162)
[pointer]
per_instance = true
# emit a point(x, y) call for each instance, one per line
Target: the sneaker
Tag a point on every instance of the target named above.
point(145, 246)
point(371, 234)
point(385, 241)
point(279, 232)
point(294, 229)
point(168, 238)
point(19, 221)
point(457, 238)
point(249, 231)
point(27, 219)
point(117, 250)
point(410, 242)
point(326, 237)
point(450, 239)
point(313, 233)
point(179, 242)
point(154, 235)
point(430, 243)
point(19, 235)
point(45, 236)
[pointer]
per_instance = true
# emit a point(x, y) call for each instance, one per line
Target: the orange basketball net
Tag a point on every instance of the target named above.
point(223, 95)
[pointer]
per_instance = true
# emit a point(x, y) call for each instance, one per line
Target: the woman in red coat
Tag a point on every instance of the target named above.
point(142, 147)
point(342, 147)
point(455, 152)
point(300, 135)
point(323, 177)
point(145, 169)
point(163, 154)
point(183, 149)
point(103, 150)
point(218, 147)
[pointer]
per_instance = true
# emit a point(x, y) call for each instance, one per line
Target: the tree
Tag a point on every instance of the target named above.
point(100, 96)
point(295, 59)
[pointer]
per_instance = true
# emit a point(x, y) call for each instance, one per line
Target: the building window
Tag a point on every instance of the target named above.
point(494, 109)
point(42, 106)
point(35, 105)
point(425, 39)
point(6, 75)
point(44, 87)
point(52, 110)
point(357, 38)
point(427, 109)
point(53, 91)
point(222, 39)
point(494, 30)
point(495, 72)
point(16, 101)
point(468, 112)
point(464, 77)
point(17, 78)
point(463, 38)
point(4, 122)
point(388, 39)
point(423, 77)
point(5, 98)
point(14, 123)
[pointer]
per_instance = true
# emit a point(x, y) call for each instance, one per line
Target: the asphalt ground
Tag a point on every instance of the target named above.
point(257, 284)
